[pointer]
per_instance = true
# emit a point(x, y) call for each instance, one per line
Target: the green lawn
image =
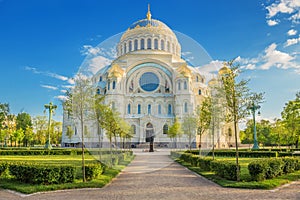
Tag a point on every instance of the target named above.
point(245, 176)
point(7, 182)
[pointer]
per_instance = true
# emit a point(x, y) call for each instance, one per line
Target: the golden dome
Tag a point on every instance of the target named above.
point(213, 82)
point(224, 70)
point(115, 71)
point(184, 71)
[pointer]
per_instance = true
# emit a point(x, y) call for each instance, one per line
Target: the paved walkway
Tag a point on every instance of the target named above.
point(155, 176)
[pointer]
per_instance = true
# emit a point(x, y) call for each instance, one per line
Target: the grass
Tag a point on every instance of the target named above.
point(7, 182)
point(245, 176)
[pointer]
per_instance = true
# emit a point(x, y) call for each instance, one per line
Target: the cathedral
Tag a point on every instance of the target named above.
point(150, 84)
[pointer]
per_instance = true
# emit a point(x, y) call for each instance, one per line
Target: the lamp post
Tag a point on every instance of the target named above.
point(253, 109)
point(51, 109)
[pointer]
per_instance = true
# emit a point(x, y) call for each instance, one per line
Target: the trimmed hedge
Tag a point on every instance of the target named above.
point(93, 171)
point(245, 154)
point(3, 167)
point(270, 168)
point(28, 152)
point(205, 163)
point(224, 169)
point(41, 174)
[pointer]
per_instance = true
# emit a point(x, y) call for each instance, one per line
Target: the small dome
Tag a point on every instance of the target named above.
point(213, 82)
point(224, 70)
point(148, 34)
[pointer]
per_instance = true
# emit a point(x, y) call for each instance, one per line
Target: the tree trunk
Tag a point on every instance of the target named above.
point(200, 141)
point(82, 148)
point(236, 150)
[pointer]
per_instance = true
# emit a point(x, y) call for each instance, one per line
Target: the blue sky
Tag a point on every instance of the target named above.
point(43, 43)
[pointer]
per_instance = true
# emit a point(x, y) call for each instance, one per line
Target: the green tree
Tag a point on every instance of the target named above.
point(126, 131)
point(40, 124)
point(174, 131)
point(278, 133)
point(203, 113)
point(291, 119)
point(237, 97)
point(56, 130)
point(4, 111)
point(18, 136)
point(189, 126)
point(79, 104)
point(23, 122)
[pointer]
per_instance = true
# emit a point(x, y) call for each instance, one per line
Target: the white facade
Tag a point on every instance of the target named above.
point(148, 83)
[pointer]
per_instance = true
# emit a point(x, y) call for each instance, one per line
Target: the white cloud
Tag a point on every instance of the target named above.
point(61, 97)
point(57, 76)
point(95, 64)
point(271, 22)
point(274, 57)
point(186, 53)
point(49, 87)
point(295, 18)
point(292, 41)
point(89, 50)
point(271, 57)
point(288, 7)
point(50, 74)
point(67, 86)
point(292, 32)
point(283, 6)
point(63, 91)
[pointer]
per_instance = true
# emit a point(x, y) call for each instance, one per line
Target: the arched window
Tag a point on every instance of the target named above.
point(114, 85)
point(168, 46)
point(100, 79)
point(122, 49)
point(179, 85)
point(197, 79)
point(130, 45)
point(135, 44)
point(185, 107)
point(159, 109)
point(139, 109)
point(98, 91)
point(165, 129)
point(149, 45)
point(142, 44)
point(173, 48)
point(199, 92)
point(133, 129)
point(149, 109)
point(169, 109)
point(125, 48)
point(162, 45)
point(185, 85)
point(128, 109)
point(155, 43)
point(108, 85)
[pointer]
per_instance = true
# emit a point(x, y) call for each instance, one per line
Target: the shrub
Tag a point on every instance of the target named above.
point(93, 171)
point(3, 167)
point(246, 154)
point(194, 160)
point(224, 169)
point(290, 165)
point(204, 163)
point(268, 168)
point(257, 170)
point(275, 168)
point(41, 174)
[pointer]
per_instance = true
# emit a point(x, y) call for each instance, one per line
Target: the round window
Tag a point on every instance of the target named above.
point(149, 81)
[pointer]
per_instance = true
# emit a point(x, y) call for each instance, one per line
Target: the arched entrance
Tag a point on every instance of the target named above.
point(150, 135)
